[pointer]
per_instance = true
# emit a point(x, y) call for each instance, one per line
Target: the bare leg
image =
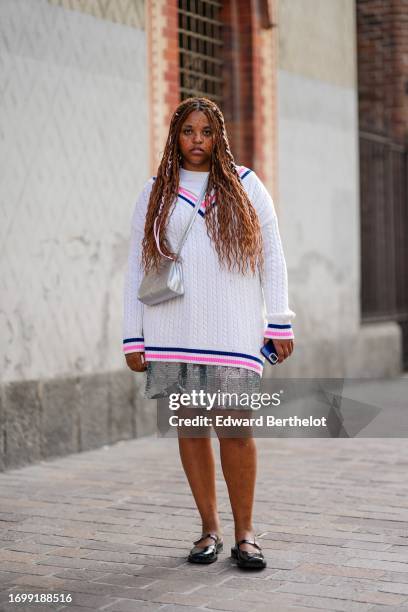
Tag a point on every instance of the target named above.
point(197, 457)
point(239, 464)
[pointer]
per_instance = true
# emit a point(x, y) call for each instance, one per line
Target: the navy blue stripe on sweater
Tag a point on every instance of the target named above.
point(276, 326)
point(192, 204)
point(182, 197)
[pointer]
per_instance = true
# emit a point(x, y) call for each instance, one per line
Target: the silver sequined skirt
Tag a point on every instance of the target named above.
point(164, 378)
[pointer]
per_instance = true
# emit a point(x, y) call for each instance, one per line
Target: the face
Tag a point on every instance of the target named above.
point(196, 142)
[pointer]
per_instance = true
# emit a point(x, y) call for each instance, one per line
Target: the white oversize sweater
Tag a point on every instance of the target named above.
point(223, 316)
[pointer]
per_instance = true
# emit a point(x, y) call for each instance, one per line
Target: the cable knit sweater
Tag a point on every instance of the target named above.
point(223, 316)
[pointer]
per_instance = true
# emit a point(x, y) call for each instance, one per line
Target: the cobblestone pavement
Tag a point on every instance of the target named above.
point(112, 527)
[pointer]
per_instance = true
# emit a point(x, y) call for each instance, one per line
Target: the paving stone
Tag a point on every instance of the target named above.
point(16, 556)
point(278, 601)
point(144, 552)
point(29, 547)
point(192, 599)
point(176, 608)
point(324, 569)
point(64, 561)
point(380, 565)
point(395, 577)
point(6, 578)
point(78, 586)
point(5, 536)
point(30, 608)
point(90, 601)
point(131, 605)
point(177, 584)
point(80, 574)
point(284, 608)
point(388, 608)
point(236, 605)
point(344, 593)
point(23, 569)
point(193, 574)
point(72, 608)
point(102, 567)
point(382, 586)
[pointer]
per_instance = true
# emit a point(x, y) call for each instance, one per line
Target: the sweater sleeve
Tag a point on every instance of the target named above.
point(133, 339)
point(274, 278)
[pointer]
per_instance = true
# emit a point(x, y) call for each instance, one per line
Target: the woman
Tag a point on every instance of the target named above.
point(209, 338)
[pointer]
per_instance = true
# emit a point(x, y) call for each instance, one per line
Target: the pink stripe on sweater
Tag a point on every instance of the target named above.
point(166, 356)
point(279, 334)
point(187, 193)
point(132, 347)
point(193, 197)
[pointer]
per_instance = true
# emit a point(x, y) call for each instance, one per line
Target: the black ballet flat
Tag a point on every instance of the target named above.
point(209, 553)
point(248, 560)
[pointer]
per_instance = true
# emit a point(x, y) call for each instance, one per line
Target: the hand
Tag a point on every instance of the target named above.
point(284, 348)
point(136, 361)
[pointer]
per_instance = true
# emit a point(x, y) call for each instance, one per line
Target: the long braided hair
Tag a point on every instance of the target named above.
point(232, 225)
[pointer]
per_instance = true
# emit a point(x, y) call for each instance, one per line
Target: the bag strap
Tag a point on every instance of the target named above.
point(186, 231)
point(193, 216)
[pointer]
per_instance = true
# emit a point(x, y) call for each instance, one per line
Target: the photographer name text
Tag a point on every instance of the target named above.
point(259, 421)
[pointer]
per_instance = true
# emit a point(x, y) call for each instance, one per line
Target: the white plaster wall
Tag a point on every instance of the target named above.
point(73, 156)
point(318, 165)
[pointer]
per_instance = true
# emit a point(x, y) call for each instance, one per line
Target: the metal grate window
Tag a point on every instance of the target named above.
point(384, 225)
point(200, 44)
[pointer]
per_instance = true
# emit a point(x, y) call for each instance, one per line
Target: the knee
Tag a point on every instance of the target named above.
point(238, 443)
point(194, 437)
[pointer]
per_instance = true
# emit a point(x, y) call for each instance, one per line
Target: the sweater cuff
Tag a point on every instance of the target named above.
point(279, 331)
point(134, 345)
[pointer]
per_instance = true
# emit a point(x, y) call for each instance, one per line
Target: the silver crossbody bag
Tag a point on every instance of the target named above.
point(167, 282)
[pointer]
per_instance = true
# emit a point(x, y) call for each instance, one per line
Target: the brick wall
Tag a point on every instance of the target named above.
point(382, 27)
point(249, 81)
point(163, 71)
point(382, 43)
point(250, 85)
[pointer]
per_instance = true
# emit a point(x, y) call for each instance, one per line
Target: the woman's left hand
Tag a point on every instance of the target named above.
point(284, 348)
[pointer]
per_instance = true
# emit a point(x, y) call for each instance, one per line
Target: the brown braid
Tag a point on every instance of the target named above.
point(232, 224)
